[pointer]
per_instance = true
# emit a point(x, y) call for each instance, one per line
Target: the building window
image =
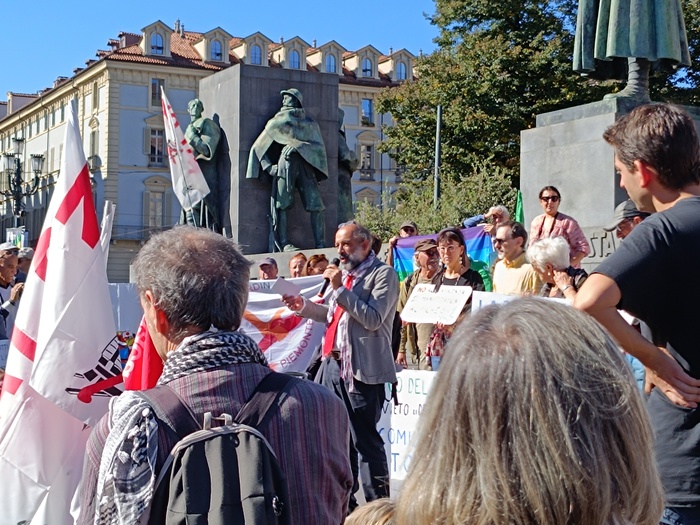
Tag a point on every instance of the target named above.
point(156, 147)
point(330, 63)
point(255, 55)
point(95, 97)
point(366, 157)
point(157, 199)
point(294, 60)
point(216, 53)
point(94, 143)
point(401, 71)
point(63, 113)
point(366, 67)
point(156, 85)
point(53, 117)
point(157, 44)
point(367, 112)
point(29, 129)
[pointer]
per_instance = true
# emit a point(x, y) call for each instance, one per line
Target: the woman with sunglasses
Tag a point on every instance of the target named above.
point(553, 223)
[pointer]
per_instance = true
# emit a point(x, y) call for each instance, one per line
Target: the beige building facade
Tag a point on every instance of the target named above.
point(118, 106)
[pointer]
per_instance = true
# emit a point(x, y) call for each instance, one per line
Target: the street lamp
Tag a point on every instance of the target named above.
point(16, 187)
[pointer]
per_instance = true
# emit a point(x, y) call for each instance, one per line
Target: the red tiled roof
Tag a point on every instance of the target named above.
point(30, 95)
point(182, 54)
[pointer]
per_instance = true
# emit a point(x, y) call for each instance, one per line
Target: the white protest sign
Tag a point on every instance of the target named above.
point(482, 299)
point(443, 306)
point(398, 422)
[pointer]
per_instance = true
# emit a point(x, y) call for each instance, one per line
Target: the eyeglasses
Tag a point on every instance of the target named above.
point(432, 252)
point(550, 198)
point(408, 229)
point(496, 240)
point(623, 225)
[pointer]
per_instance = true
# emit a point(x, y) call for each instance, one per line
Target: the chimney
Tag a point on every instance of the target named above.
point(281, 40)
point(391, 51)
point(313, 44)
point(177, 25)
point(182, 30)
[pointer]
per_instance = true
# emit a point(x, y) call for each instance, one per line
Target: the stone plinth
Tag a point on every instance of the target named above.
point(567, 150)
point(242, 99)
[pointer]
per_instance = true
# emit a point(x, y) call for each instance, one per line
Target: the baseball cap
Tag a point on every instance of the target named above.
point(267, 260)
point(624, 210)
point(425, 245)
point(26, 253)
point(8, 247)
point(409, 224)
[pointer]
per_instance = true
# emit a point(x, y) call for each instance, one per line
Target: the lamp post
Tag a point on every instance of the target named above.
point(16, 187)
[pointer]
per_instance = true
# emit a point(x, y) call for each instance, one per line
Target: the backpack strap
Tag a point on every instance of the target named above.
point(260, 407)
point(171, 410)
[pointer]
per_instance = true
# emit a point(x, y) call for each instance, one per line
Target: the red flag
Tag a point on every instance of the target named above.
point(144, 366)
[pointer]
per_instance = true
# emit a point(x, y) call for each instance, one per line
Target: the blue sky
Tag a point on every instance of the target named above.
point(49, 38)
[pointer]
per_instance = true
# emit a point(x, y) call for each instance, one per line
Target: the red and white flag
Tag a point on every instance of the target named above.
point(189, 184)
point(63, 365)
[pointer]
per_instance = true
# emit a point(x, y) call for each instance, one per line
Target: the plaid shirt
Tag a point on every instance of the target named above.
point(309, 435)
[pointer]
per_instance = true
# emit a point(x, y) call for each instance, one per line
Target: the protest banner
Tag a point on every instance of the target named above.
point(481, 299)
point(397, 424)
point(444, 306)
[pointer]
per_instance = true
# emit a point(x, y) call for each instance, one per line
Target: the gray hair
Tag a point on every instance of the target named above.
point(552, 250)
point(360, 232)
point(534, 417)
point(502, 210)
point(197, 277)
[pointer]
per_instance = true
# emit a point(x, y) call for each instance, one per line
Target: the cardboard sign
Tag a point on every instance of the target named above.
point(443, 306)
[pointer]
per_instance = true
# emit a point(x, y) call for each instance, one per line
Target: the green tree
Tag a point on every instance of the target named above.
point(487, 185)
point(498, 65)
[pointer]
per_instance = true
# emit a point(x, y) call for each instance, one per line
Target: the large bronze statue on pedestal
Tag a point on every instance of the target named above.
point(618, 39)
point(291, 150)
point(347, 164)
point(203, 134)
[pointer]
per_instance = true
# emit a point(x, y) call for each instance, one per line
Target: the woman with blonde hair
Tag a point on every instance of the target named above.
point(533, 419)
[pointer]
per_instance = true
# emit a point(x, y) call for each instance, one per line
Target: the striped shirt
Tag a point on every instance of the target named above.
point(309, 435)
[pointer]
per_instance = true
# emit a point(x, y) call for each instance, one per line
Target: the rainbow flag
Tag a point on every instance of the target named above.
point(479, 249)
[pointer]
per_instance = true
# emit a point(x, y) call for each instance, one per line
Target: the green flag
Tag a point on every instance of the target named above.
point(519, 213)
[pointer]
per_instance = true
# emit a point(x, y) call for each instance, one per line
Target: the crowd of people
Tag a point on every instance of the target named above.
point(534, 418)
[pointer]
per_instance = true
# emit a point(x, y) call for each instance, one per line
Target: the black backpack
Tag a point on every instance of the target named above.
point(227, 474)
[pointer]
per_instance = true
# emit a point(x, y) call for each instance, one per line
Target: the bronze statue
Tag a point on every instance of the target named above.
point(291, 150)
point(618, 39)
point(347, 164)
point(203, 135)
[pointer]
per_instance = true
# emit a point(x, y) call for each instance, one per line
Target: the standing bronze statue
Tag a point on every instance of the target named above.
point(618, 39)
point(203, 134)
point(291, 150)
point(347, 164)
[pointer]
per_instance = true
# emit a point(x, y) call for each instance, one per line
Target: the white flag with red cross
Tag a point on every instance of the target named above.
point(63, 365)
point(189, 184)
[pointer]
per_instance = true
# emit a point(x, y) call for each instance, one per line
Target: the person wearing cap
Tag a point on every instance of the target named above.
point(407, 229)
point(9, 294)
point(626, 217)
point(267, 269)
point(415, 336)
point(24, 261)
point(291, 150)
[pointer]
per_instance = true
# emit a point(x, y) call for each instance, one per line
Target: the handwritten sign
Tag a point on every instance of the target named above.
point(443, 306)
point(397, 424)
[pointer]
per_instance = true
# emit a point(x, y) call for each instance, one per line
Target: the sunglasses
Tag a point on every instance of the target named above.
point(496, 240)
point(408, 229)
point(550, 198)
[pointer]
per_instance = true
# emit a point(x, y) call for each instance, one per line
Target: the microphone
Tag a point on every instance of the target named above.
point(327, 281)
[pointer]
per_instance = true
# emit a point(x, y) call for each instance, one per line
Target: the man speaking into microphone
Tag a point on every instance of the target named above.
point(357, 359)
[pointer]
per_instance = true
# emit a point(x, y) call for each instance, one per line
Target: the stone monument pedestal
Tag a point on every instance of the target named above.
point(567, 150)
point(242, 98)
